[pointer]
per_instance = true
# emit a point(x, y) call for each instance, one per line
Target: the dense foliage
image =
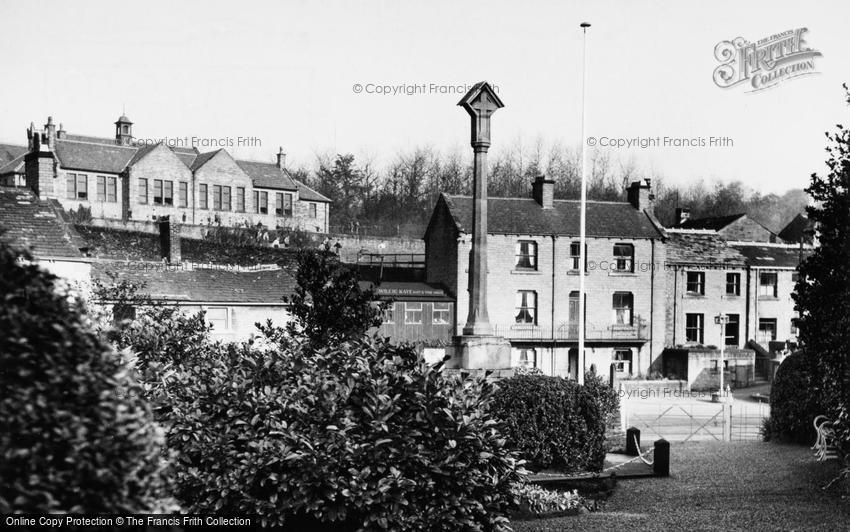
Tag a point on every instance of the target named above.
point(535, 500)
point(328, 304)
point(555, 422)
point(364, 433)
point(794, 400)
point(75, 433)
point(318, 424)
point(823, 291)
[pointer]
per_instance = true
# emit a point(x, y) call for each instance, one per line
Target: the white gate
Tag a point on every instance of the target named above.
point(693, 421)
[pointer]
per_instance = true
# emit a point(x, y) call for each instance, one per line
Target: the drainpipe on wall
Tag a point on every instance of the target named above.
point(553, 305)
point(747, 310)
point(675, 301)
point(651, 305)
point(756, 272)
point(194, 196)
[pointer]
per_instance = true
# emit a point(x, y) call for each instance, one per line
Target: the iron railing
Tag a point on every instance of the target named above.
point(392, 260)
point(569, 331)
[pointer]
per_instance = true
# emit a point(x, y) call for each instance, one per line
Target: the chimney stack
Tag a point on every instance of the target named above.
point(169, 240)
point(682, 215)
point(281, 159)
point(543, 191)
point(40, 163)
point(640, 195)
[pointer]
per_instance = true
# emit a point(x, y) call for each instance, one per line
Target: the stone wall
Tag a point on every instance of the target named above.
point(714, 302)
point(159, 164)
point(222, 170)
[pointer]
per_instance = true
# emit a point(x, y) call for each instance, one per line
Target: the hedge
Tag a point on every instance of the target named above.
point(795, 400)
point(363, 434)
point(555, 422)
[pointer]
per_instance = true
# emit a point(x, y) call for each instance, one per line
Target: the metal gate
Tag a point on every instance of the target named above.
point(694, 421)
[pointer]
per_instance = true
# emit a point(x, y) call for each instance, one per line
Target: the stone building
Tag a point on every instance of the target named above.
point(12, 165)
point(705, 277)
point(533, 276)
point(750, 282)
point(732, 227)
point(234, 299)
point(122, 179)
point(771, 277)
point(800, 230)
point(39, 225)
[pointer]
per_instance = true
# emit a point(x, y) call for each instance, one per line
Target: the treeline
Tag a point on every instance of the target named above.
point(399, 196)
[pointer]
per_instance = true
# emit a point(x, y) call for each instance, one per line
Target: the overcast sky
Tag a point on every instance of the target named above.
point(285, 73)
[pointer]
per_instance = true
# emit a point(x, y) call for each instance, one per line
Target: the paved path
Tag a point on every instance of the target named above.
point(722, 486)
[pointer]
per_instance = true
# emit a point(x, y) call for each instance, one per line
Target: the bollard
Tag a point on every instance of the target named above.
point(632, 441)
point(661, 459)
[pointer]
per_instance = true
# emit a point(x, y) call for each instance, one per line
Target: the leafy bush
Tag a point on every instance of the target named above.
point(794, 400)
point(81, 216)
point(555, 422)
point(363, 433)
point(533, 499)
point(75, 434)
point(156, 332)
point(318, 425)
point(328, 304)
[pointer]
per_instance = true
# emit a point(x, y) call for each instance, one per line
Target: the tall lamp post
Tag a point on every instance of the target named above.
point(583, 210)
point(722, 320)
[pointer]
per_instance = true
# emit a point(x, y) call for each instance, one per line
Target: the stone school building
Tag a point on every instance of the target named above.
point(119, 178)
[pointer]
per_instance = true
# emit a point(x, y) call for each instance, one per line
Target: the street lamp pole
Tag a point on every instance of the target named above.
point(722, 320)
point(583, 208)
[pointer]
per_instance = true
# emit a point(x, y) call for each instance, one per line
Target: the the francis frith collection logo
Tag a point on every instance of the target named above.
point(765, 63)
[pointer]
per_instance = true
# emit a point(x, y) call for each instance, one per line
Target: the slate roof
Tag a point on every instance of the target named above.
point(109, 158)
point(715, 223)
point(798, 229)
point(188, 157)
point(202, 158)
point(99, 154)
point(141, 152)
point(267, 175)
point(15, 165)
point(207, 285)
point(775, 256)
point(37, 224)
point(308, 194)
point(11, 158)
point(89, 138)
point(703, 248)
point(524, 216)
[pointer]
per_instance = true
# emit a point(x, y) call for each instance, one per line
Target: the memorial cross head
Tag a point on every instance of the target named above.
point(481, 102)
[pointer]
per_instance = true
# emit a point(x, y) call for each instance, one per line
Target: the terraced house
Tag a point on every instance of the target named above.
point(533, 276)
point(750, 282)
point(120, 178)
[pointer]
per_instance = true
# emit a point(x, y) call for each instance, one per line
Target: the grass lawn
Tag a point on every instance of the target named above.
point(723, 486)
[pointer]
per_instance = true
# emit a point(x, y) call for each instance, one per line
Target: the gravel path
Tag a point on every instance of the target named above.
point(723, 486)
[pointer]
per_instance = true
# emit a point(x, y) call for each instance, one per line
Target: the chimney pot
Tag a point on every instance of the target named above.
point(50, 133)
point(281, 159)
